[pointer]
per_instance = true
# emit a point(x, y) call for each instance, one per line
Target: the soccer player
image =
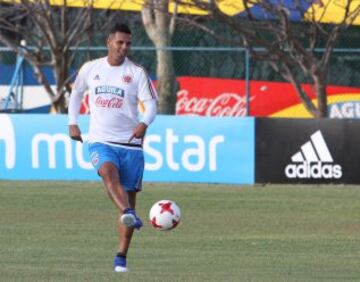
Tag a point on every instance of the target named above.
point(116, 85)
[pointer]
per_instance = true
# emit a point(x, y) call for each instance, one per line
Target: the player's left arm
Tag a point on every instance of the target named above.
point(147, 118)
point(147, 94)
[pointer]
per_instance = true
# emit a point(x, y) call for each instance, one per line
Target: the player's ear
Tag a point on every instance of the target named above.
point(108, 40)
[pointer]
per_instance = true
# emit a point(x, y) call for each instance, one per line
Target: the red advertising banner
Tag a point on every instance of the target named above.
point(227, 97)
point(203, 96)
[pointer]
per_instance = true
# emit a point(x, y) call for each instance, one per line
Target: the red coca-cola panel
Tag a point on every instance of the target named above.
point(211, 97)
point(227, 97)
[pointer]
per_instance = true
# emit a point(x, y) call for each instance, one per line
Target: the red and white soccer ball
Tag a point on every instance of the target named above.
point(165, 215)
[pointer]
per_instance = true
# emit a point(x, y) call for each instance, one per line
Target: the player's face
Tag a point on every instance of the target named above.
point(118, 45)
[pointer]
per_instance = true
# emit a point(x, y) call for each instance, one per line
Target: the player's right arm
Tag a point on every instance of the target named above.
point(76, 97)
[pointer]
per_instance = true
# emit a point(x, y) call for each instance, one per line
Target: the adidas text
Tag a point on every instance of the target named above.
point(315, 170)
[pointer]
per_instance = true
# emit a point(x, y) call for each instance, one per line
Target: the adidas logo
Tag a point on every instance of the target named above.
point(313, 161)
point(96, 77)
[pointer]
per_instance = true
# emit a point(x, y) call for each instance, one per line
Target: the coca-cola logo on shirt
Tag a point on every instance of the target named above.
point(224, 104)
point(114, 102)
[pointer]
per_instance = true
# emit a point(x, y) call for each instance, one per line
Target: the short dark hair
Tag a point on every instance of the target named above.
point(120, 27)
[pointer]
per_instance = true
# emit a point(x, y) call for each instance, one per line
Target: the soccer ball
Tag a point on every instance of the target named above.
point(165, 215)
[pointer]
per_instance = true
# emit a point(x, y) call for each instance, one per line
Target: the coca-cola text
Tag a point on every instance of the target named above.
point(108, 103)
point(225, 104)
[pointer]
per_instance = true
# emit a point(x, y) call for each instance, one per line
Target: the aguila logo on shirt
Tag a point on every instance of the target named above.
point(107, 89)
point(127, 79)
point(313, 161)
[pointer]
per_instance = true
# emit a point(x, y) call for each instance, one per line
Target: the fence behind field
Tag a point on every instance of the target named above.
point(218, 63)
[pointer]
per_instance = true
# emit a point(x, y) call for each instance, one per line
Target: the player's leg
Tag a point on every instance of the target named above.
point(131, 171)
point(125, 235)
point(110, 175)
point(105, 160)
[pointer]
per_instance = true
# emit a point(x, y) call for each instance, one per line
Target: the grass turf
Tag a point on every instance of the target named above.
point(65, 231)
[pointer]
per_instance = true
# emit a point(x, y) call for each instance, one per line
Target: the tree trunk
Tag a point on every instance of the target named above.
point(59, 106)
point(60, 71)
point(321, 95)
point(159, 26)
point(166, 82)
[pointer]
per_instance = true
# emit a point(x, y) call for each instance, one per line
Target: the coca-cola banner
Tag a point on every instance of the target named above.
point(204, 96)
point(307, 151)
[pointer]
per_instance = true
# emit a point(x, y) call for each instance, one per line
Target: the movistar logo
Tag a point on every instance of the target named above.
point(7, 135)
point(106, 89)
point(313, 161)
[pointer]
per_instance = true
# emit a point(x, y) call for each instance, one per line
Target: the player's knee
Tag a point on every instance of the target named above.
point(106, 171)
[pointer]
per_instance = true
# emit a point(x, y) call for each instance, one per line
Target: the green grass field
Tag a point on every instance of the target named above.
point(64, 231)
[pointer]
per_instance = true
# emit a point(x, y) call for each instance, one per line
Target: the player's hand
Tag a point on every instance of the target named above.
point(138, 132)
point(75, 133)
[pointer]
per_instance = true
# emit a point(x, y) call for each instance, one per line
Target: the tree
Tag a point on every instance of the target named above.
point(160, 25)
point(52, 32)
point(288, 35)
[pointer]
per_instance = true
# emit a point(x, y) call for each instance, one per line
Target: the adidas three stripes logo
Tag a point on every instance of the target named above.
point(313, 161)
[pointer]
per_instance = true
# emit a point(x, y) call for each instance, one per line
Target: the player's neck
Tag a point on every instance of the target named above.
point(114, 62)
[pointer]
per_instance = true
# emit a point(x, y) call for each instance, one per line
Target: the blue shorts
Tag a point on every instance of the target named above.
point(128, 160)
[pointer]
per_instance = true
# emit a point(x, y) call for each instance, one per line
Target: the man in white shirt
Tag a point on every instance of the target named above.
point(116, 85)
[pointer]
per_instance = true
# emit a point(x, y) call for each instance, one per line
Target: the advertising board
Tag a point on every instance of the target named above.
point(307, 151)
point(179, 149)
point(204, 96)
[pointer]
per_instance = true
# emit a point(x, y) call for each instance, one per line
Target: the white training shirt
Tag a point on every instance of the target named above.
point(114, 94)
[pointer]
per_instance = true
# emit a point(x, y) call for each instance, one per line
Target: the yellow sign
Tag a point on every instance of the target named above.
point(299, 110)
point(333, 11)
point(325, 11)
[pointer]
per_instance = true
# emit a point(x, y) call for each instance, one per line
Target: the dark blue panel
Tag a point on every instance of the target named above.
point(295, 8)
point(7, 72)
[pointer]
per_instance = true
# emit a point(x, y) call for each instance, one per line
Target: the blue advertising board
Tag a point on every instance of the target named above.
point(177, 149)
